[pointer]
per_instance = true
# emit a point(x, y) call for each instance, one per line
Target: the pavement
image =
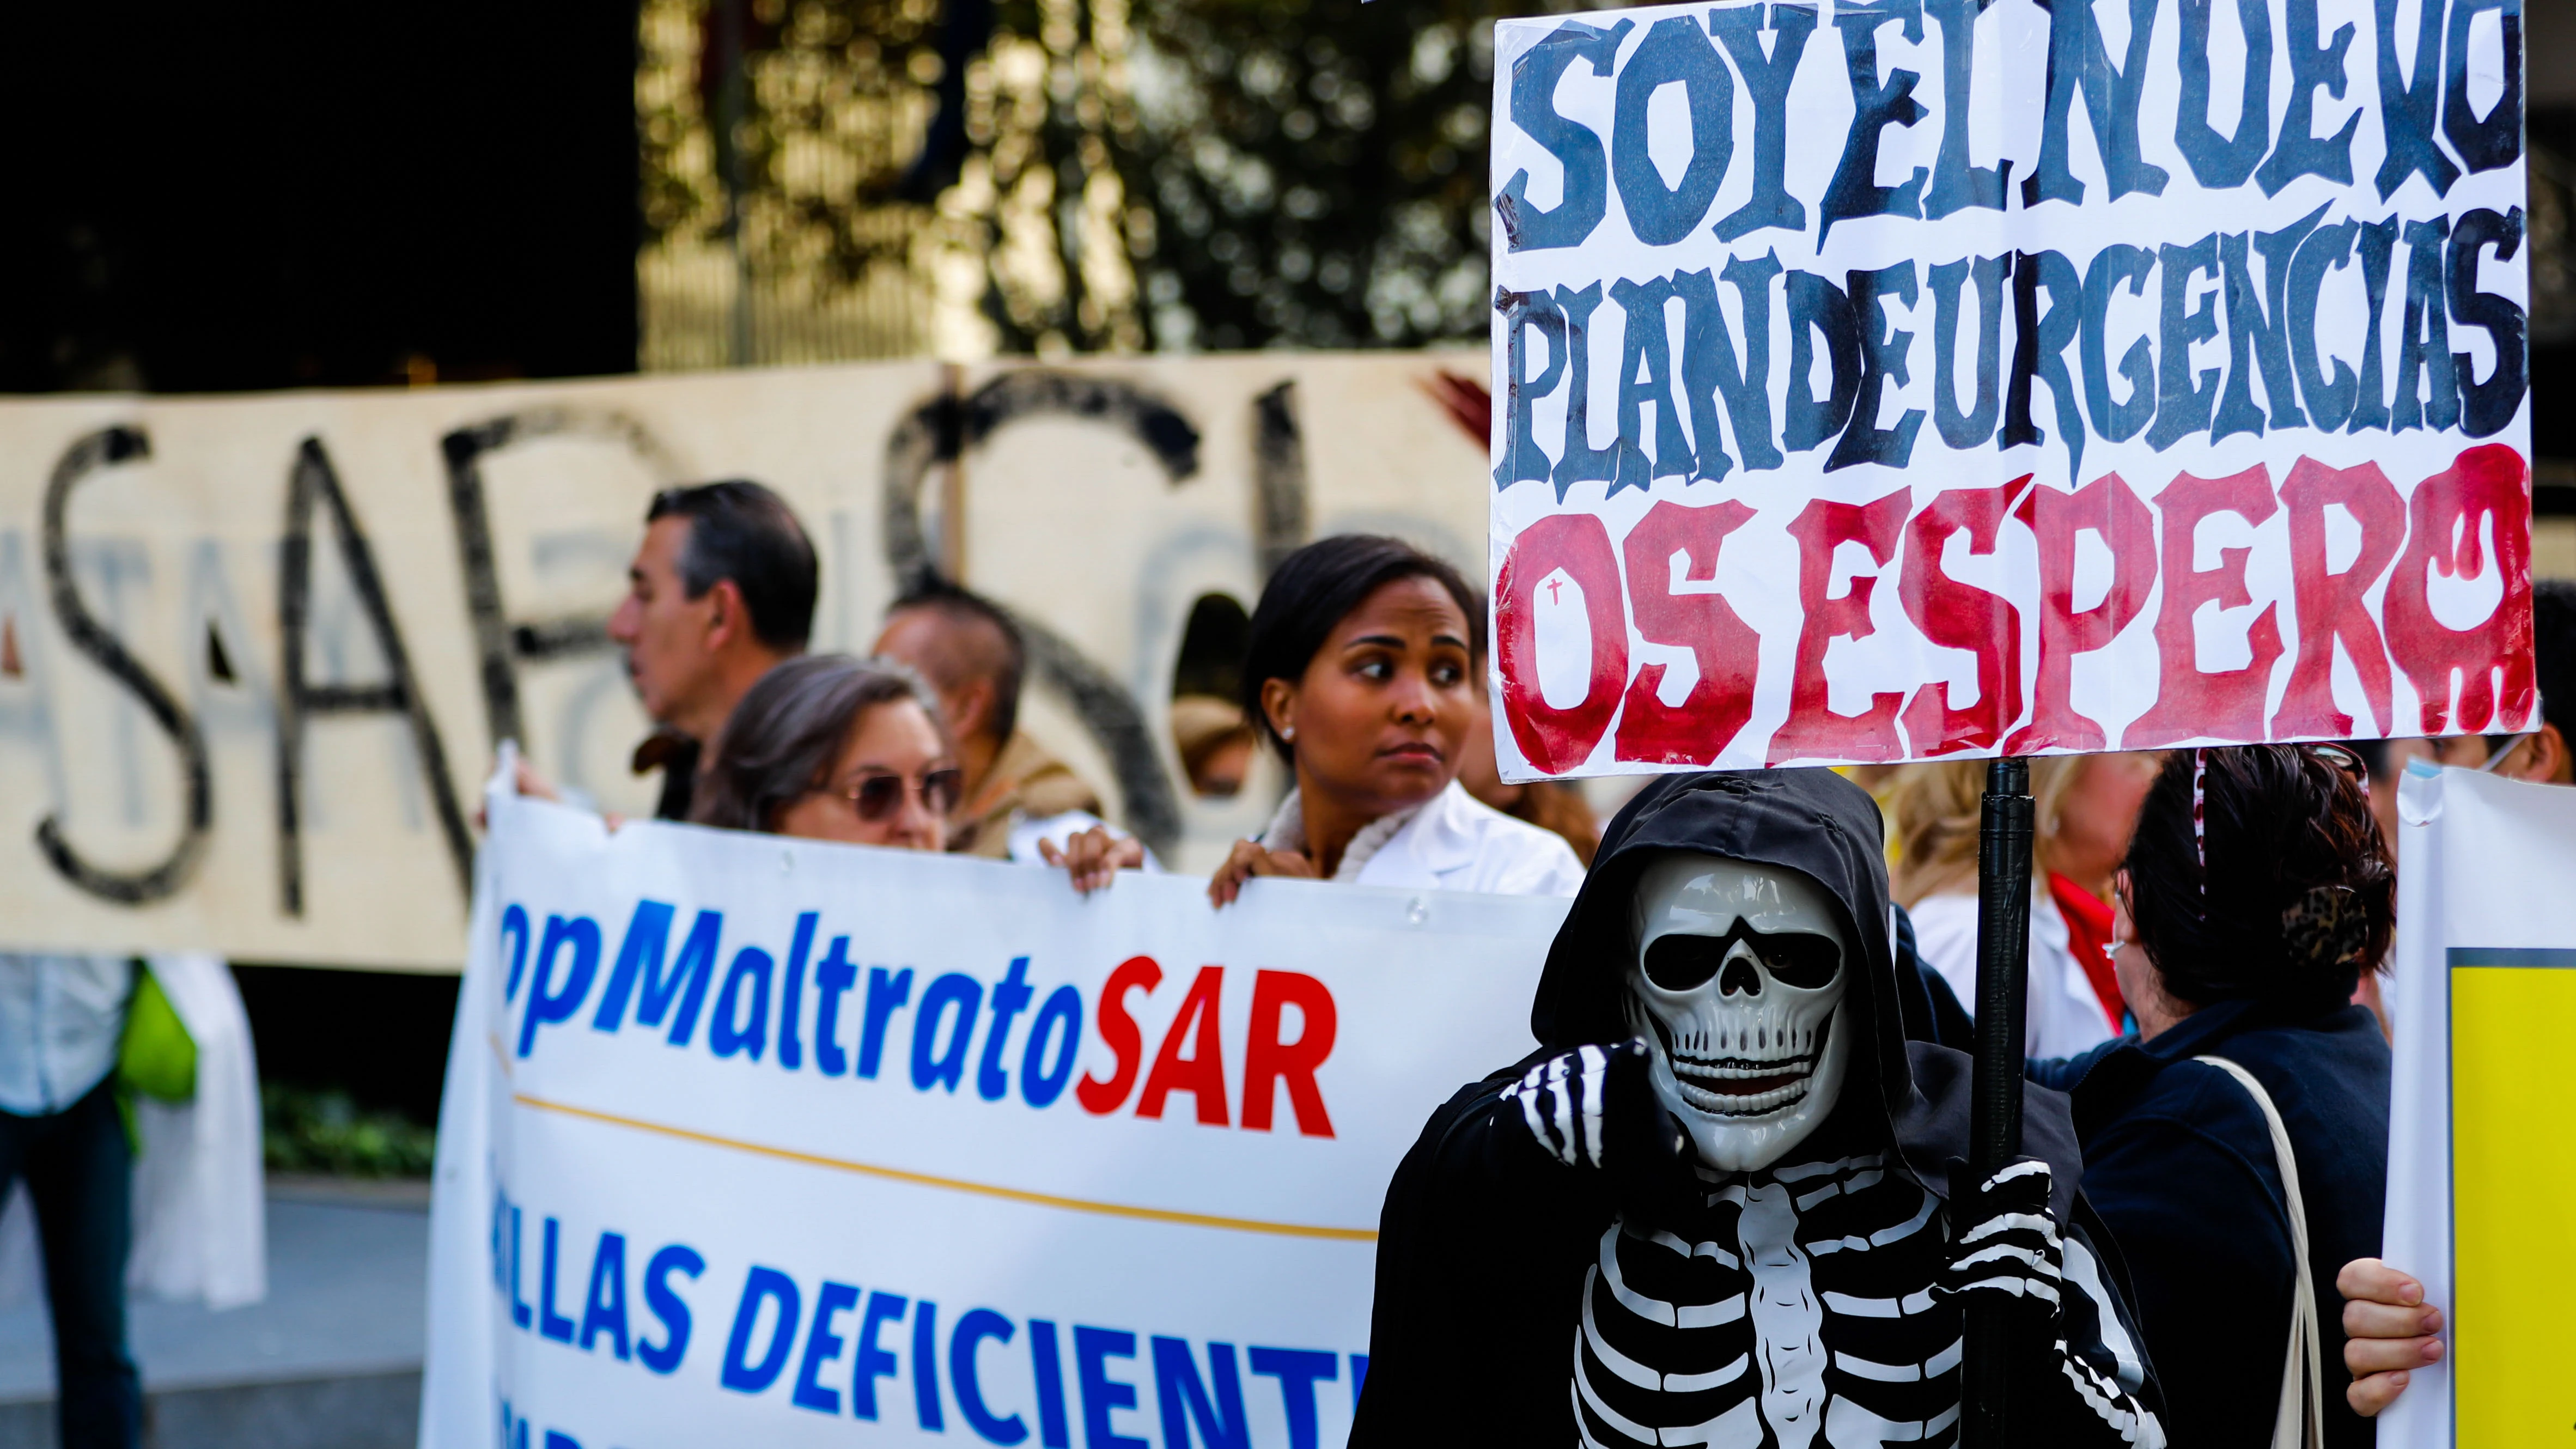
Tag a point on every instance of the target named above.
point(331, 1359)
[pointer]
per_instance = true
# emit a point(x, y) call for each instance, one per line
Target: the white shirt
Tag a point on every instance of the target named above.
point(62, 1021)
point(2063, 1016)
point(1452, 842)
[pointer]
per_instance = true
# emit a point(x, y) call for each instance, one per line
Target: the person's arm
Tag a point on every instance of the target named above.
point(1248, 859)
point(2389, 1331)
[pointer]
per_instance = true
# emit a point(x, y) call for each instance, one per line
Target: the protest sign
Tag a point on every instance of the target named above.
point(752, 1140)
point(2480, 1176)
point(440, 564)
point(1903, 379)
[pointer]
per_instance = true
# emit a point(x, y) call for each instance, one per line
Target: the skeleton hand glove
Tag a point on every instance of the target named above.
point(2007, 1248)
point(1594, 1107)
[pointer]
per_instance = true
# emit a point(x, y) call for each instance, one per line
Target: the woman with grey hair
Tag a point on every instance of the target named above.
point(829, 747)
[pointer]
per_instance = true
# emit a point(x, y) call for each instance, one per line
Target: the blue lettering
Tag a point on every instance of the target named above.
point(648, 934)
point(925, 1365)
point(695, 970)
point(871, 1362)
point(582, 934)
point(1010, 998)
point(1298, 1370)
point(822, 1346)
point(550, 1323)
point(514, 925)
point(603, 1308)
point(1092, 1350)
point(887, 992)
point(1053, 1431)
point(519, 1312)
point(948, 1067)
point(833, 976)
point(558, 1439)
point(763, 1285)
point(1184, 1399)
point(1359, 1376)
point(750, 964)
point(1061, 1017)
point(668, 1306)
point(791, 994)
point(972, 1329)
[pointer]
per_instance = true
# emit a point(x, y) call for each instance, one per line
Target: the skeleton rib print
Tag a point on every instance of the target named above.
point(1798, 1311)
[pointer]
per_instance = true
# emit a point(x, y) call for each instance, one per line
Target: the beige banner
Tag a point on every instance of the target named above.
point(255, 654)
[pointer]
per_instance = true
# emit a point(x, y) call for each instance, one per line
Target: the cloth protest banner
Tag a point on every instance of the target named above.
point(440, 564)
point(2480, 1175)
point(1861, 396)
point(749, 1140)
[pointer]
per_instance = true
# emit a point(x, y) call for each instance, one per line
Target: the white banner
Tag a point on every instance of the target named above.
point(1922, 378)
point(254, 652)
point(2481, 1150)
point(747, 1140)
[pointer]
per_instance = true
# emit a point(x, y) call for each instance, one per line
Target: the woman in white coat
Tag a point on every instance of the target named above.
point(1362, 672)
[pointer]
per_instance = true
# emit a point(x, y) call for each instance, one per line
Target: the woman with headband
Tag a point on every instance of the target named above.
point(2238, 1143)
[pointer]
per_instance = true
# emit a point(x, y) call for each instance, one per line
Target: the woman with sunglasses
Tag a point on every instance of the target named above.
point(827, 747)
point(2238, 1143)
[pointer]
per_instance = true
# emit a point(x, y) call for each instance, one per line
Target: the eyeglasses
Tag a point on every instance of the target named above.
point(881, 793)
point(2342, 759)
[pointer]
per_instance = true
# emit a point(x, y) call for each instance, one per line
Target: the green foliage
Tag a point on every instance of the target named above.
point(1317, 173)
point(303, 1130)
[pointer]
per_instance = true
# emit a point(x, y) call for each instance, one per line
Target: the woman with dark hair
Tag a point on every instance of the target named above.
point(828, 747)
point(2238, 1143)
point(1363, 672)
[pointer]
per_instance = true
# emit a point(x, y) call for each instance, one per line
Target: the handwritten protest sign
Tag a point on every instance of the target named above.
point(760, 1141)
point(1898, 379)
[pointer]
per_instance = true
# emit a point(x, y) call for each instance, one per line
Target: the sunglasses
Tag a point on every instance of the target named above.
point(881, 794)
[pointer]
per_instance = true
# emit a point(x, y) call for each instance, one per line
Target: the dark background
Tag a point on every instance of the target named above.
point(290, 194)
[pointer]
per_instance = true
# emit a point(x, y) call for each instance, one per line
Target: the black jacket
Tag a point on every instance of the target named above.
point(2178, 1160)
point(1485, 1240)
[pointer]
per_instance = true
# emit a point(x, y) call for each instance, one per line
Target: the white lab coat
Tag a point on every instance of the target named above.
point(1454, 842)
point(200, 1210)
point(2062, 1016)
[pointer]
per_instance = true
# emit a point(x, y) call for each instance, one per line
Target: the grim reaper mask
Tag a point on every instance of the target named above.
point(1738, 987)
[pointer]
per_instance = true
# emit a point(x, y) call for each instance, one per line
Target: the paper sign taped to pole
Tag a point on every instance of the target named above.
point(750, 1140)
point(2481, 1153)
point(1917, 379)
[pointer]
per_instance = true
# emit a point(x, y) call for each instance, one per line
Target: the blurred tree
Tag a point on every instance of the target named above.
point(1074, 175)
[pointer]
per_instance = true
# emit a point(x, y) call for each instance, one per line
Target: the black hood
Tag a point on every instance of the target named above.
point(1827, 828)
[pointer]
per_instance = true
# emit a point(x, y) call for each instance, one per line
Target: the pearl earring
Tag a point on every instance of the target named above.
point(1289, 733)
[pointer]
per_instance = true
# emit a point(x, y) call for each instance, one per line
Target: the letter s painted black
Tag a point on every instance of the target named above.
point(105, 448)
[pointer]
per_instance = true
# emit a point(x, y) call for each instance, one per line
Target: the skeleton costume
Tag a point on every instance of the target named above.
point(1722, 1203)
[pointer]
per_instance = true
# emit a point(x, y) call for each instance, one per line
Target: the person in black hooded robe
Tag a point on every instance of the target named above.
point(1725, 1202)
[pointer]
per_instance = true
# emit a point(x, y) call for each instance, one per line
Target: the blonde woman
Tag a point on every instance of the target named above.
point(2086, 809)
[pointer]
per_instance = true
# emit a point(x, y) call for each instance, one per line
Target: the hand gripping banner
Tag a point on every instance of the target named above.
point(749, 1140)
point(1906, 379)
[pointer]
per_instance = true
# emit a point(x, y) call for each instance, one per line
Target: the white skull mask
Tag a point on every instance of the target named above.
point(1738, 988)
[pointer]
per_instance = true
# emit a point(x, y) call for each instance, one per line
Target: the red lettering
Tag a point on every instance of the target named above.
point(1268, 1061)
point(1957, 616)
point(1118, 1032)
point(2192, 703)
point(1202, 1075)
point(1725, 647)
point(1813, 730)
point(1556, 740)
point(2488, 481)
point(2106, 508)
point(2329, 606)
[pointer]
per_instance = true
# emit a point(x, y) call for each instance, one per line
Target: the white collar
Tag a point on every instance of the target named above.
point(1287, 831)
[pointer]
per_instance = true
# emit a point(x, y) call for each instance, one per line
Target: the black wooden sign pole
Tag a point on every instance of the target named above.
point(1994, 1112)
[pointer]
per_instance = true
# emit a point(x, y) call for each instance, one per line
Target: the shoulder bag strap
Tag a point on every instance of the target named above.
point(2300, 1422)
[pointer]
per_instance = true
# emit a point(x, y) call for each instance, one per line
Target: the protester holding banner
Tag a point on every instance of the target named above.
point(1362, 669)
point(828, 747)
point(2086, 805)
point(2256, 892)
